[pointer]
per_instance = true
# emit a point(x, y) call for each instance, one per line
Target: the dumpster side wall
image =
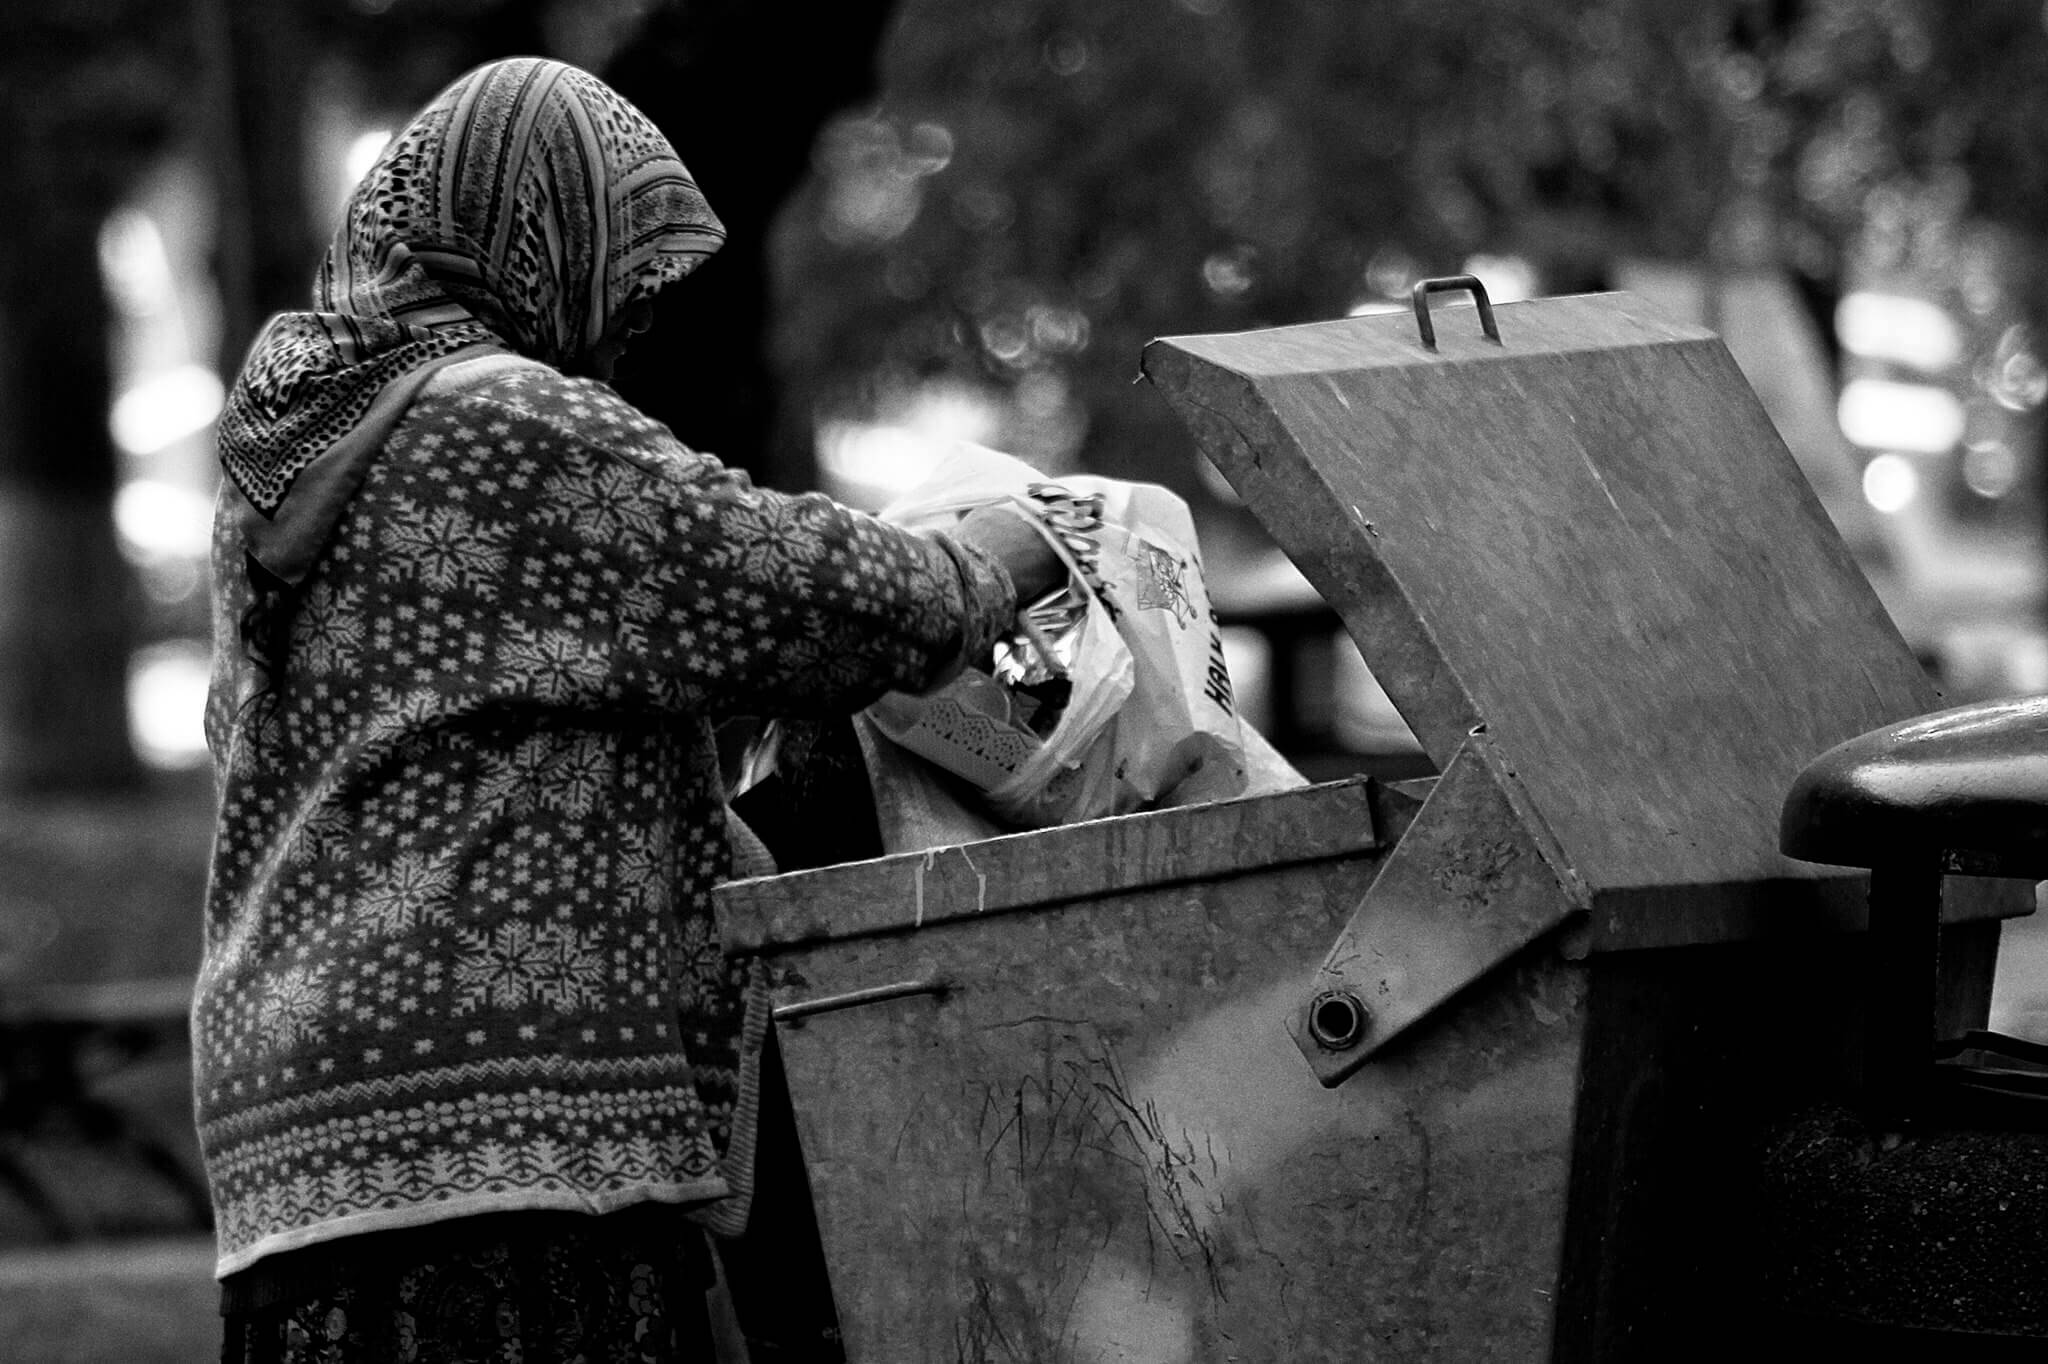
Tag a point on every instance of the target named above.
point(1103, 1145)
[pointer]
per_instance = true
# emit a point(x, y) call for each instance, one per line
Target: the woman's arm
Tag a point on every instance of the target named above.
point(720, 597)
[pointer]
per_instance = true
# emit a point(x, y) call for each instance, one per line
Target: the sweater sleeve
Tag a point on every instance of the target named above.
point(714, 596)
point(768, 604)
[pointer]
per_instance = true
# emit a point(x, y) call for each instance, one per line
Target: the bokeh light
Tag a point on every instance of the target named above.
point(1890, 483)
point(167, 704)
point(1908, 331)
point(363, 152)
point(1991, 468)
point(156, 519)
point(869, 463)
point(165, 408)
point(1882, 414)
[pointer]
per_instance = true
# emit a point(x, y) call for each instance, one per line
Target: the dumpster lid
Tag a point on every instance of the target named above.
point(1587, 538)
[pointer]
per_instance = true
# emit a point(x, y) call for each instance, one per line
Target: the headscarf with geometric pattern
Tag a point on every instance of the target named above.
point(523, 209)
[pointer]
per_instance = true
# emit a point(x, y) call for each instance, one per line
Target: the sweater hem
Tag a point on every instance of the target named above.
point(514, 1200)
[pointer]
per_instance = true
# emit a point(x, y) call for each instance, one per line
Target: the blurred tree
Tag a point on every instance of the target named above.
point(742, 93)
point(92, 93)
point(1045, 184)
point(1048, 183)
point(89, 93)
point(1858, 116)
point(1909, 139)
point(275, 59)
point(260, 60)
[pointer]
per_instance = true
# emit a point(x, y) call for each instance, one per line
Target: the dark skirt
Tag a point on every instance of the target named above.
point(508, 1288)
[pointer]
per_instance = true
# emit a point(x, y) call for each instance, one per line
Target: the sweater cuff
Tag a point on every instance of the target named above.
point(988, 604)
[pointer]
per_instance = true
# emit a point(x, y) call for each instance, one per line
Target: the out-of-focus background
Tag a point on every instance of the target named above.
point(948, 221)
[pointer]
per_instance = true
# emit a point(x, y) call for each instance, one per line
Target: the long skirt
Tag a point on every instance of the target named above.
point(507, 1288)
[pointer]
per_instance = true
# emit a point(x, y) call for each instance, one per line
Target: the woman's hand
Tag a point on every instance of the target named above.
point(1008, 536)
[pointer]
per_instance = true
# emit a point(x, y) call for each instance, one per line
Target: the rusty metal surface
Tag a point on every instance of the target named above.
point(1473, 881)
point(1100, 1145)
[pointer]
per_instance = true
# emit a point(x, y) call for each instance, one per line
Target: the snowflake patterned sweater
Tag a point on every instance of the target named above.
point(459, 954)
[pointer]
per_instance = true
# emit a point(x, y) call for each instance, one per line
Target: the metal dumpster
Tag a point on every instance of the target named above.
point(1467, 1068)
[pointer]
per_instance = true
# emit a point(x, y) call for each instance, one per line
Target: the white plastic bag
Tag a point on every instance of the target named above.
point(1178, 733)
point(969, 476)
point(1150, 711)
point(982, 731)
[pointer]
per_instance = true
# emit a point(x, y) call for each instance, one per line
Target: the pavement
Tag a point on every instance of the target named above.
point(146, 1301)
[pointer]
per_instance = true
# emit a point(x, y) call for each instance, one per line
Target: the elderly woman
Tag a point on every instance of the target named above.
point(471, 1070)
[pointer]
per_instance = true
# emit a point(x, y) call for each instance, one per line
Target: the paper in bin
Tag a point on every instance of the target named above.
point(970, 727)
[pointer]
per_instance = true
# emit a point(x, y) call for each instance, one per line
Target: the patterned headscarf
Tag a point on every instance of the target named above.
point(525, 208)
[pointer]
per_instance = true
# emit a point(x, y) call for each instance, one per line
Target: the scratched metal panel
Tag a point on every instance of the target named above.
point(1587, 537)
point(1052, 866)
point(1101, 1144)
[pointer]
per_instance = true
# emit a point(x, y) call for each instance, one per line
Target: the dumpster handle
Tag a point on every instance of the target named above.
point(1424, 288)
point(792, 1014)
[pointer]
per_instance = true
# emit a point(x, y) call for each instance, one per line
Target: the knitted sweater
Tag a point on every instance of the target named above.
point(459, 954)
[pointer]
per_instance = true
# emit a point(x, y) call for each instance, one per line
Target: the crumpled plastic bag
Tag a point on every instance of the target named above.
point(1113, 693)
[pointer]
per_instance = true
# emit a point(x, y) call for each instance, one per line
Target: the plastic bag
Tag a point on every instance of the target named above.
point(1178, 732)
point(1025, 752)
point(1149, 708)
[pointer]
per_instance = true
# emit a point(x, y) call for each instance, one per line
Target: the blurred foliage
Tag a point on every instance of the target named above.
point(743, 106)
point(1047, 183)
point(90, 94)
point(90, 91)
point(1865, 102)
point(1044, 183)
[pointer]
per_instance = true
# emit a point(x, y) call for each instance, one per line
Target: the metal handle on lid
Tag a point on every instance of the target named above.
point(1470, 283)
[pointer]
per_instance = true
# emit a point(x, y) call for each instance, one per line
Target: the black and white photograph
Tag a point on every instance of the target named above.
point(1023, 681)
